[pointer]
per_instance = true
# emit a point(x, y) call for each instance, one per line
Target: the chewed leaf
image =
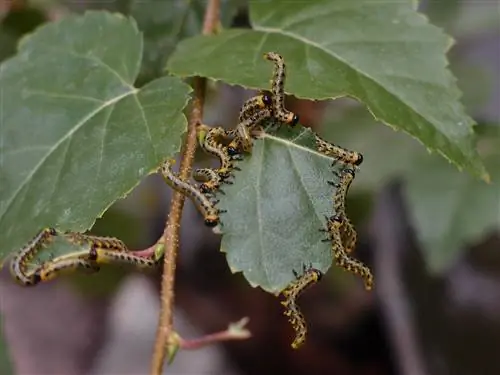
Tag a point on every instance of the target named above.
point(276, 208)
point(75, 133)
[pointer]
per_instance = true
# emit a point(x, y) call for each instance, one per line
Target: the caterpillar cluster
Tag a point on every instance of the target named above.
point(103, 250)
point(253, 113)
point(292, 311)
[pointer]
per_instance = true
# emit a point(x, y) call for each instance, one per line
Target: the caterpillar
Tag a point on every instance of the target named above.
point(104, 256)
point(212, 146)
point(342, 259)
point(244, 141)
point(211, 180)
point(102, 242)
point(338, 153)
point(278, 90)
point(247, 120)
point(52, 269)
point(19, 263)
point(347, 231)
point(89, 261)
point(202, 203)
point(291, 293)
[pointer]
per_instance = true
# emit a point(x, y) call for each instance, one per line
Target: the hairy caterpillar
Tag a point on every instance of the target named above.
point(52, 269)
point(204, 206)
point(102, 242)
point(347, 231)
point(211, 180)
point(105, 256)
point(342, 259)
point(19, 263)
point(338, 153)
point(247, 120)
point(278, 90)
point(292, 311)
point(212, 145)
point(239, 142)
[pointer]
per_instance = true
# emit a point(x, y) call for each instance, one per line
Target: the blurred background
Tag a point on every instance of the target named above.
point(436, 306)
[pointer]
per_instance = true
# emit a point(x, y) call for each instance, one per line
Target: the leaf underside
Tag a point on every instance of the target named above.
point(276, 207)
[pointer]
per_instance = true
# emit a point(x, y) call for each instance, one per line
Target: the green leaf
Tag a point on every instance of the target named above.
point(451, 210)
point(75, 133)
point(382, 53)
point(165, 23)
point(5, 362)
point(275, 209)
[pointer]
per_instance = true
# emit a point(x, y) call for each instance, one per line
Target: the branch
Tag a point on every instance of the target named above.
point(172, 227)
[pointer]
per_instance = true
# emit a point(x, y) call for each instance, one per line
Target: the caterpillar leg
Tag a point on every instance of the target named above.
point(342, 258)
point(278, 90)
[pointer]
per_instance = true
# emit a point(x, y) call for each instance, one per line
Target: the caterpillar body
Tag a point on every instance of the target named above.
point(212, 145)
point(244, 141)
point(338, 153)
point(52, 269)
point(347, 231)
point(19, 263)
point(211, 180)
point(247, 120)
point(291, 293)
point(111, 243)
point(202, 203)
point(342, 259)
point(278, 90)
point(106, 256)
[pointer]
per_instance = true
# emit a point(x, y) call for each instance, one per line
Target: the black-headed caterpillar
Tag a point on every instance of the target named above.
point(243, 139)
point(57, 267)
point(251, 115)
point(210, 180)
point(211, 144)
point(338, 153)
point(291, 293)
point(19, 263)
point(202, 203)
point(111, 243)
point(347, 231)
point(105, 256)
point(278, 90)
point(342, 259)
point(89, 261)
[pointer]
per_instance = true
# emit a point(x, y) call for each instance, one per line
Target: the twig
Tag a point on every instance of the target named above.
point(235, 331)
point(172, 227)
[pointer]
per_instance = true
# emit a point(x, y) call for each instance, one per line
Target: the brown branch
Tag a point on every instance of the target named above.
point(172, 227)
